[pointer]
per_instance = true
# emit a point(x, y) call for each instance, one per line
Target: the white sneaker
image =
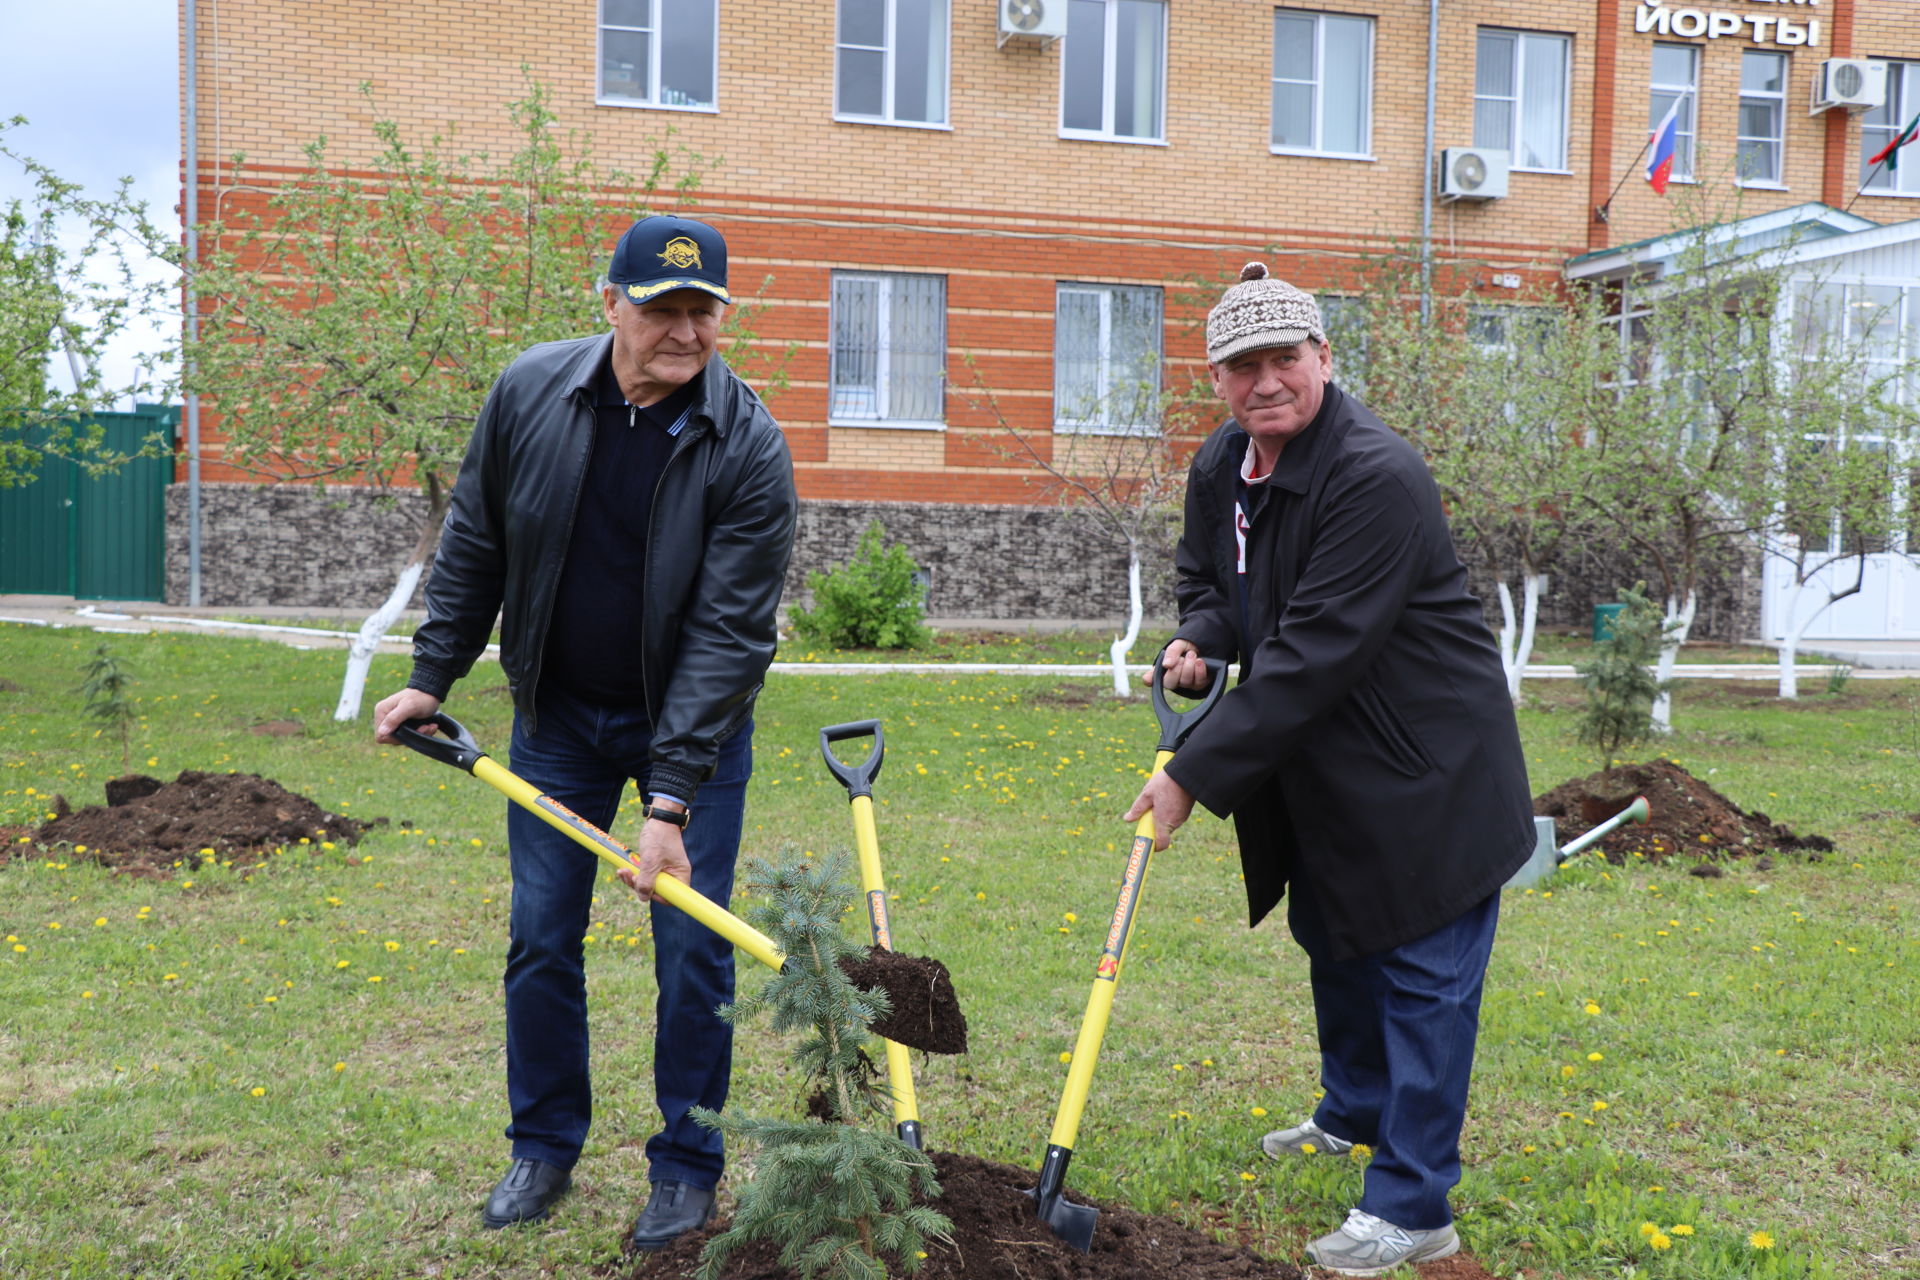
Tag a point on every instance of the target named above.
point(1306, 1138)
point(1369, 1246)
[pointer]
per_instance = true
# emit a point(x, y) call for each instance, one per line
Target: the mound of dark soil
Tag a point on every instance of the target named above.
point(1690, 818)
point(148, 824)
point(997, 1237)
point(926, 1013)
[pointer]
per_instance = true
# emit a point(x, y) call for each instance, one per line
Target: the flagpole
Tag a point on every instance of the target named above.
point(1865, 183)
point(1603, 212)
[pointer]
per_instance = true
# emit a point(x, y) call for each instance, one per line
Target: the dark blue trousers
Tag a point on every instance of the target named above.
point(1397, 1031)
point(583, 756)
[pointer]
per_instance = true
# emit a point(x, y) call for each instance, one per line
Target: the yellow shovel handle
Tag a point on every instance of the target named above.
point(1106, 978)
point(584, 833)
point(866, 845)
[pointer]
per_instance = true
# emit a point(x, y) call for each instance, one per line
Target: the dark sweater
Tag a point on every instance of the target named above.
point(592, 651)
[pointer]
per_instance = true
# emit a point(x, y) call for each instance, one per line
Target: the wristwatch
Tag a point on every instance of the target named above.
point(678, 817)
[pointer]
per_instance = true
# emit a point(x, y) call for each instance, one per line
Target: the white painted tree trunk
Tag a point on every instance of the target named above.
point(1118, 650)
point(372, 631)
point(1515, 654)
point(1679, 621)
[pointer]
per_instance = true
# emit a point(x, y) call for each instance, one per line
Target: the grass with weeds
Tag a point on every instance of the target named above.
point(298, 1071)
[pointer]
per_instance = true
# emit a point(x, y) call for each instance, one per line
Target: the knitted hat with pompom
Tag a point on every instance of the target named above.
point(1261, 312)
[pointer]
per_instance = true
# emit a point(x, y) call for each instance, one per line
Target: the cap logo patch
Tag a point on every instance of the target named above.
point(681, 253)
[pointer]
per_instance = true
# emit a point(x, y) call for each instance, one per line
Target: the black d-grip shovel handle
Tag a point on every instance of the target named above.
point(856, 778)
point(1176, 725)
point(452, 745)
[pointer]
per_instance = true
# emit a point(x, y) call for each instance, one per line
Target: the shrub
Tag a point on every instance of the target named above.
point(837, 1197)
point(106, 689)
point(1620, 687)
point(872, 602)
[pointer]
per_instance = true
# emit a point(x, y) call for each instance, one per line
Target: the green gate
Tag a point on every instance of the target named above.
point(94, 537)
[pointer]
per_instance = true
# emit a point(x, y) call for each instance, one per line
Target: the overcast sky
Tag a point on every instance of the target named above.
point(98, 80)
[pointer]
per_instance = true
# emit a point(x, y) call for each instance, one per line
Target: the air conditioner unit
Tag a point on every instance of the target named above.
point(1857, 84)
point(1473, 173)
point(1034, 19)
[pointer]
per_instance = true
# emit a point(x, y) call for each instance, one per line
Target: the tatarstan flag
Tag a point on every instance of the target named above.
point(1891, 152)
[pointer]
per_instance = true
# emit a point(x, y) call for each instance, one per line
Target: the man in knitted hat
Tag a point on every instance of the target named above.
point(1368, 756)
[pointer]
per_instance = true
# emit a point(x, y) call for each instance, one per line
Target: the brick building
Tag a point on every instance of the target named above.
point(958, 218)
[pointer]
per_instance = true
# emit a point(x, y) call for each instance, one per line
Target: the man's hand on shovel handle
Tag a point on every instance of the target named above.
point(1171, 806)
point(1183, 666)
point(395, 710)
point(662, 851)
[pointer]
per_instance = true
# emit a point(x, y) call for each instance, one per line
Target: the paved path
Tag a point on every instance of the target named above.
point(1889, 660)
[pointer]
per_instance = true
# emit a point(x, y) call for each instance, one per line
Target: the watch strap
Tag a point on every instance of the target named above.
point(678, 817)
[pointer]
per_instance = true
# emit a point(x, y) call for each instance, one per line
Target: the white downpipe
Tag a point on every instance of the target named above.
point(190, 152)
point(367, 642)
point(1679, 622)
point(1118, 650)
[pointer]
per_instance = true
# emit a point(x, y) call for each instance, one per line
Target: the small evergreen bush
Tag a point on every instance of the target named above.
point(106, 688)
point(872, 602)
point(836, 1197)
point(1620, 686)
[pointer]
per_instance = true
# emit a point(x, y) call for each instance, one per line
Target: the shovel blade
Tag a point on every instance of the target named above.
point(1073, 1223)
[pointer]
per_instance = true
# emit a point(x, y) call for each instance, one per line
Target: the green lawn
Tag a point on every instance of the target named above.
point(200, 1076)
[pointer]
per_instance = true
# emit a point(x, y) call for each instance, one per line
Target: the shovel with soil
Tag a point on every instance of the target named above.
point(907, 980)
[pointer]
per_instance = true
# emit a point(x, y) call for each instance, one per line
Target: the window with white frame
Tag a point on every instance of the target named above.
point(1113, 72)
point(892, 62)
point(1763, 118)
point(1676, 76)
point(1883, 124)
point(1322, 83)
point(659, 53)
point(1106, 358)
point(1520, 96)
point(888, 357)
point(1879, 324)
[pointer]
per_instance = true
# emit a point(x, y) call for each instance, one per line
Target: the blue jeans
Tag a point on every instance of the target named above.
point(1397, 1031)
point(583, 756)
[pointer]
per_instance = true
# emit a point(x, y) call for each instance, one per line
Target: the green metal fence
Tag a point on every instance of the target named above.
point(95, 537)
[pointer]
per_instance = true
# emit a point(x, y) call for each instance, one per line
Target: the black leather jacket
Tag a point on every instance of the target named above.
point(718, 543)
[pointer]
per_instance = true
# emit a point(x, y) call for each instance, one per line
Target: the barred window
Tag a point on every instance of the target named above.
point(1106, 358)
point(889, 349)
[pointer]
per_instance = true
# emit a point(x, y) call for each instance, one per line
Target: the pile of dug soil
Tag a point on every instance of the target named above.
point(997, 1237)
point(147, 824)
point(1690, 818)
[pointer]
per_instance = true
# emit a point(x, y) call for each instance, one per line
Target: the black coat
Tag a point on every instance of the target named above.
point(720, 535)
point(1370, 745)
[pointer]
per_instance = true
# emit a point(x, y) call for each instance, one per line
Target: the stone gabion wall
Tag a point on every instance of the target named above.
point(289, 545)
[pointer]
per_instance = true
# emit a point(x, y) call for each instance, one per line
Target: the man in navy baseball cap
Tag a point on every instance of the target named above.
point(664, 252)
point(626, 504)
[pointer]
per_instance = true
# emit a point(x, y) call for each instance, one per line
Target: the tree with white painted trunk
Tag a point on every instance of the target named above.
point(358, 313)
point(1495, 395)
point(1701, 451)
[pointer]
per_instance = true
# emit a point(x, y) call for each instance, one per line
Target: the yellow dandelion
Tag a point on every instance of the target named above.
point(339, 1066)
point(1599, 1105)
point(258, 1092)
point(1307, 1148)
point(376, 978)
point(86, 995)
point(1596, 1057)
point(1259, 1111)
point(342, 964)
point(1566, 1071)
point(1066, 1057)
point(1360, 1151)
point(169, 977)
point(1660, 1240)
point(99, 922)
point(1680, 1229)
point(1649, 1228)
point(1528, 1150)
point(1760, 1240)
point(392, 946)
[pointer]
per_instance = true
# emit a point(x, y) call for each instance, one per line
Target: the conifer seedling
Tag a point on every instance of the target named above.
point(835, 1195)
point(1620, 685)
point(106, 686)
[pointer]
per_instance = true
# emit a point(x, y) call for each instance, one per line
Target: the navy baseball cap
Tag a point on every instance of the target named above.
point(663, 252)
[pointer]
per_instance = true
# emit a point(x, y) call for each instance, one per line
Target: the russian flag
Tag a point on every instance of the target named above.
point(1665, 139)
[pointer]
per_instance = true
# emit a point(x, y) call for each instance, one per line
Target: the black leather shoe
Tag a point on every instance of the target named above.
point(672, 1210)
point(530, 1189)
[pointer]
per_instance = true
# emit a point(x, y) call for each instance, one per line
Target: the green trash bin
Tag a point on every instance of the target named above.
point(1603, 616)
